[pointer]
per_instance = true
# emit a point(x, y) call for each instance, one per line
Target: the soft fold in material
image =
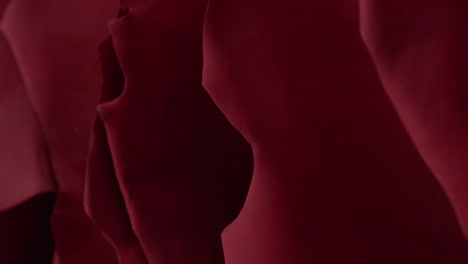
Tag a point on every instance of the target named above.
point(245, 131)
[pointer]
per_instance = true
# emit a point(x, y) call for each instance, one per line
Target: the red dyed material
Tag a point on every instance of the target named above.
point(55, 47)
point(248, 132)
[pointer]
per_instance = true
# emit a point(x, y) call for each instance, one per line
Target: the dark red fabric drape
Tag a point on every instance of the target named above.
point(24, 170)
point(235, 131)
point(54, 44)
point(198, 166)
point(421, 53)
point(21, 137)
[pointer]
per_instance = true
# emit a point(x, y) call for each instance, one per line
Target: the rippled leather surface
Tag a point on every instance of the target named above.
point(249, 131)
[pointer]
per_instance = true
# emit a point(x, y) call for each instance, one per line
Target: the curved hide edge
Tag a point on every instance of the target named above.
point(103, 200)
point(337, 179)
point(420, 49)
point(183, 170)
point(55, 43)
